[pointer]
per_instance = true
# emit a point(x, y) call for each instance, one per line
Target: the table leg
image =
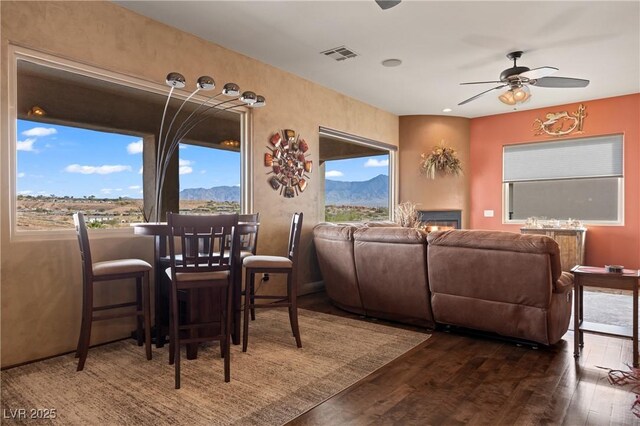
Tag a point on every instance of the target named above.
point(581, 314)
point(159, 250)
point(237, 302)
point(635, 324)
point(577, 309)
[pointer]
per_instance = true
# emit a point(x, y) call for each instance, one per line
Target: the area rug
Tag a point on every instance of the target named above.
point(271, 384)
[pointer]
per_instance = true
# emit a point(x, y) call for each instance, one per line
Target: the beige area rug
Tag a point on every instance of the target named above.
point(271, 384)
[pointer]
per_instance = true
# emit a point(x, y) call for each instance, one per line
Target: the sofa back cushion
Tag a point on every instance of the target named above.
point(334, 249)
point(492, 265)
point(392, 273)
point(502, 241)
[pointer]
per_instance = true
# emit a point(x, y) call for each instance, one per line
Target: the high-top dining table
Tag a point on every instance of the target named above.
point(160, 232)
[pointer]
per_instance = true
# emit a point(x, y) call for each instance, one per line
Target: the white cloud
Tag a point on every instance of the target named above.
point(185, 166)
point(372, 162)
point(203, 172)
point(100, 170)
point(333, 173)
point(134, 187)
point(182, 146)
point(25, 192)
point(21, 174)
point(135, 147)
point(26, 145)
point(39, 132)
point(140, 171)
point(110, 190)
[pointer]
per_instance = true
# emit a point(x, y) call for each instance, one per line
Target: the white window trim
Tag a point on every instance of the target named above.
point(16, 53)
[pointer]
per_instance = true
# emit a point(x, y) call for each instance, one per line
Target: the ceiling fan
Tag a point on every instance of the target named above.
point(517, 79)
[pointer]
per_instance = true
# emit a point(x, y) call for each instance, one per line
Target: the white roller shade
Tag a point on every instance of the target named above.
point(574, 158)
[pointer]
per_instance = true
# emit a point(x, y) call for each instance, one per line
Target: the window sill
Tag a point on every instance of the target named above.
point(67, 234)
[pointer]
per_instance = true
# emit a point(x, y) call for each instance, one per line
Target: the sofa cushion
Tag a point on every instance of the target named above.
point(334, 248)
point(504, 241)
point(392, 273)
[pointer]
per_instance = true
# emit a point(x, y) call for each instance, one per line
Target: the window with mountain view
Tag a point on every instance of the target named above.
point(357, 189)
point(62, 169)
point(79, 141)
point(209, 180)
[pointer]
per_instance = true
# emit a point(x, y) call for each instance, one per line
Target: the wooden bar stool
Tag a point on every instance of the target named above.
point(110, 270)
point(199, 263)
point(274, 265)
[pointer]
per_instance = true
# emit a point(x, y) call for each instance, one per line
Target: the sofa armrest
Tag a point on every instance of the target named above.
point(564, 284)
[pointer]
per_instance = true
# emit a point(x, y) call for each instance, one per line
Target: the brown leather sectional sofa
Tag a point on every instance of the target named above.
point(500, 282)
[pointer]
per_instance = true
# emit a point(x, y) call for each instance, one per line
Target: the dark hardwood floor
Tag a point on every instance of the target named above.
point(455, 378)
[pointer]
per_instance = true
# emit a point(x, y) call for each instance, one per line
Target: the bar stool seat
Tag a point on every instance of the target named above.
point(261, 261)
point(120, 266)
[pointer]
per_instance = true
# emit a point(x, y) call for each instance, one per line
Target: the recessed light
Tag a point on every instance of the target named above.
point(447, 110)
point(391, 63)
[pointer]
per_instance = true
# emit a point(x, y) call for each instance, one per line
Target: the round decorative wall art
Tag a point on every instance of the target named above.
point(287, 160)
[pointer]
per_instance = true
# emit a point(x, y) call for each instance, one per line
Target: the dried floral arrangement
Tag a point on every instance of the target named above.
point(407, 215)
point(441, 159)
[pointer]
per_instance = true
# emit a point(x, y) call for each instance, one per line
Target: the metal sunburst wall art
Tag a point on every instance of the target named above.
point(287, 159)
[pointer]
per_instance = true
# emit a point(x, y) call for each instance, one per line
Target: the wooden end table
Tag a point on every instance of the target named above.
point(590, 276)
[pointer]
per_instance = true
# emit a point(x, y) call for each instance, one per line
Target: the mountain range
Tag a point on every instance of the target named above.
point(370, 193)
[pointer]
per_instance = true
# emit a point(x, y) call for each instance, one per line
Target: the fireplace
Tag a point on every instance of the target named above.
point(440, 220)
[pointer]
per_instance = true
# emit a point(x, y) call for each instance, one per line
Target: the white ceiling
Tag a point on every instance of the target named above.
point(441, 45)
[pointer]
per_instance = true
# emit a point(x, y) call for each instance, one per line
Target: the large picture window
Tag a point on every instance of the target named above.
point(209, 179)
point(359, 177)
point(569, 179)
point(84, 140)
point(63, 169)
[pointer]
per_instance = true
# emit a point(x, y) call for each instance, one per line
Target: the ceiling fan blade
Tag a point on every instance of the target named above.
point(538, 72)
point(481, 82)
point(387, 4)
point(560, 82)
point(483, 93)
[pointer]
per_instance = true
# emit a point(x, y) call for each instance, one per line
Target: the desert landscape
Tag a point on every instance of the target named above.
point(56, 212)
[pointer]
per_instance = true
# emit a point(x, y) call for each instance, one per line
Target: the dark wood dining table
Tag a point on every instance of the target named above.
point(160, 232)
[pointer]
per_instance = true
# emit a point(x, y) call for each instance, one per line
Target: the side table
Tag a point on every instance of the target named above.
point(590, 276)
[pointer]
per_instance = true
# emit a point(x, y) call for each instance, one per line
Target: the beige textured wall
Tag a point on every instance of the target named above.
point(41, 283)
point(419, 134)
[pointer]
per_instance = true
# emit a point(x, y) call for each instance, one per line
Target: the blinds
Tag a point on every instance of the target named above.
point(575, 158)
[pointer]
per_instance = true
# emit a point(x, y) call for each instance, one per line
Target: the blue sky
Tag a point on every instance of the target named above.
point(357, 169)
point(62, 160)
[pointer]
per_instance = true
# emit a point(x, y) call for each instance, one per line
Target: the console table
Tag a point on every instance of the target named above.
point(589, 276)
point(570, 240)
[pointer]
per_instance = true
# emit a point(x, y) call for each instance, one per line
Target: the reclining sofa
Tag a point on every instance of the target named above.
point(500, 282)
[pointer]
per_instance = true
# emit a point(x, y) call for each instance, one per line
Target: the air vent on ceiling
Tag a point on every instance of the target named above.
point(340, 53)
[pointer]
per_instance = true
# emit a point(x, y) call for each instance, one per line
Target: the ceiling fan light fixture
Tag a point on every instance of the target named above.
point(515, 95)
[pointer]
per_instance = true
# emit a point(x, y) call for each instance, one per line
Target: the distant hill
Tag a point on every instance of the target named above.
point(369, 193)
point(217, 193)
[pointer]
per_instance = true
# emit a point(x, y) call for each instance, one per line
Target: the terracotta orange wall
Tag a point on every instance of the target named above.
point(621, 114)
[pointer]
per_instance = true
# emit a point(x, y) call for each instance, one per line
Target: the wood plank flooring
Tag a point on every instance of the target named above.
point(455, 379)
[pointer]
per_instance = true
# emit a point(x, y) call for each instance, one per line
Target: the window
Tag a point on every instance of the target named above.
point(357, 189)
point(576, 178)
point(62, 169)
point(81, 136)
point(359, 176)
point(209, 179)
